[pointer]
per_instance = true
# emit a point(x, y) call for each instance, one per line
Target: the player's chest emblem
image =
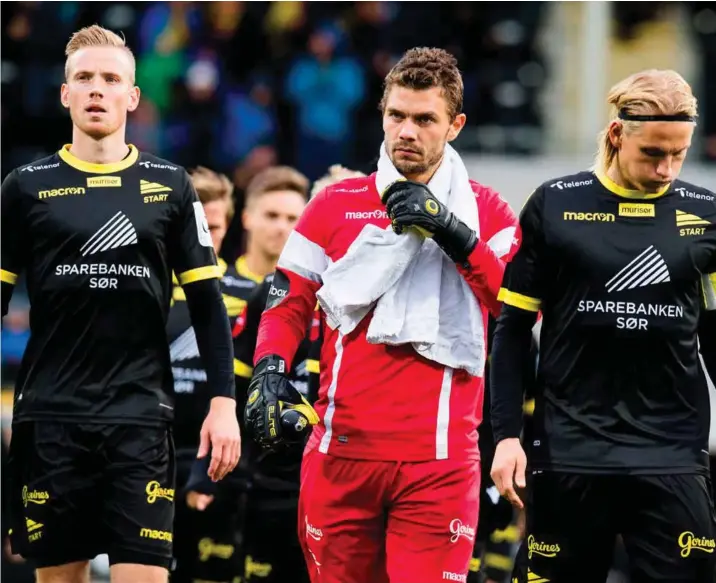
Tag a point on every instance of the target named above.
point(153, 192)
point(691, 225)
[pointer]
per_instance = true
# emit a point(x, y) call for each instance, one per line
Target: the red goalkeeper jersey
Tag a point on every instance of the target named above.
point(380, 402)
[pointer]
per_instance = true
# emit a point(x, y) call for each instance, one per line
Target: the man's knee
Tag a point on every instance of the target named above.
point(77, 572)
point(132, 573)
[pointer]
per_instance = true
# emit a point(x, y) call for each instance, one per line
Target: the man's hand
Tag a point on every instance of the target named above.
point(270, 397)
point(411, 205)
point(198, 501)
point(508, 469)
point(220, 433)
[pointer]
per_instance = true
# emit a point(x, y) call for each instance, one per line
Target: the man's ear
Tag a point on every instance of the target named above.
point(456, 126)
point(616, 133)
point(65, 96)
point(134, 95)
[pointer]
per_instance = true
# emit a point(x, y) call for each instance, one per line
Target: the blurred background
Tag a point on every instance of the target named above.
point(239, 86)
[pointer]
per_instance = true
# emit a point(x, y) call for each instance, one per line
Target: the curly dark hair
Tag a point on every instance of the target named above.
point(423, 68)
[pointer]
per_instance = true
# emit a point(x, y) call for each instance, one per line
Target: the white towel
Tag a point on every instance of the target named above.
point(416, 292)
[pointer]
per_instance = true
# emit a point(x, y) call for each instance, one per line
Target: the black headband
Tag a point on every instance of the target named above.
point(678, 117)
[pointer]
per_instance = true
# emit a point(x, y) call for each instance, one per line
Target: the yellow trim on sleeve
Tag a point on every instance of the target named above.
point(613, 187)
point(518, 300)
point(72, 160)
point(8, 277)
point(475, 565)
point(313, 366)
point(243, 370)
point(199, 274)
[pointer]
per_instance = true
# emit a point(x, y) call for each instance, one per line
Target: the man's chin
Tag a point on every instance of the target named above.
point(96, 131)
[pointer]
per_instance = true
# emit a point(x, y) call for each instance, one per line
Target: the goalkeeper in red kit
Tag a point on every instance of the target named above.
point(390, 474)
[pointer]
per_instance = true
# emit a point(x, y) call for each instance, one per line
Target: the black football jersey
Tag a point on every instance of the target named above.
point(98, 244)
point(191, 396)
point(621, 280)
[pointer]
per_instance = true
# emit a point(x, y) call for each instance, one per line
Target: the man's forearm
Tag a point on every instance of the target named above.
point(213, 335)
point(510, 349)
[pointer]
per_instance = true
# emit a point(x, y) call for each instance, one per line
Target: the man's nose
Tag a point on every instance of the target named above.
point(408, 132)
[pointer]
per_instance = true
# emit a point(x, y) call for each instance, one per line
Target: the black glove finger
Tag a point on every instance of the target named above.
point(395, 188)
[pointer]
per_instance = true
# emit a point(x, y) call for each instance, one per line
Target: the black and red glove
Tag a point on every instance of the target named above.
point(411, 205)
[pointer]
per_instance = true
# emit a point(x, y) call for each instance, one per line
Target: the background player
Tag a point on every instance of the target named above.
point(623, 267)
point(370, 463)
point(97, 232)
point(204, 544)
point(244, 513)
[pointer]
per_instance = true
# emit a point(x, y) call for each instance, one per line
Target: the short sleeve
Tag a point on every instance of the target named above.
point(523, 282)
point(191, 251)
point(13, 230)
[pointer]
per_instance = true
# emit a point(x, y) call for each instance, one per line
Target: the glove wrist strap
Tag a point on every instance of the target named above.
point(457, 240)
point(271, 364)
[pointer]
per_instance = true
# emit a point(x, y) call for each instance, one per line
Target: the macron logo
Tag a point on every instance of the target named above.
point(184, 347)
point(649, 268)
point(367, 215)
point(116, 232)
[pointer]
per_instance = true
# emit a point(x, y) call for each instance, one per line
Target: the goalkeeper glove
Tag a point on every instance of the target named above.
point(411, 205)
point(276, 413)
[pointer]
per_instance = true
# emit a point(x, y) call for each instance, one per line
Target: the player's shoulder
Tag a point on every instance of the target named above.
point(569, 185)
point(155, 170)
point(346, 188)
point(693, 197)
point(36, 171)
point(235, 281)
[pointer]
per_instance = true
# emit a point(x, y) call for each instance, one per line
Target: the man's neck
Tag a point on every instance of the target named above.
point(615, 175)
point(108, 150)
point(258, 263)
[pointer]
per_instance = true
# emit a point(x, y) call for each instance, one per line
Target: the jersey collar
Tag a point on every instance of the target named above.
point(613, 187)
point(92, 168)
point(244, 270)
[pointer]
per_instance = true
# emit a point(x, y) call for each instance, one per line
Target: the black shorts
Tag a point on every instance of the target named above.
point(667, 524)
point(207, 544)
point(79, 490)
point(272, 552)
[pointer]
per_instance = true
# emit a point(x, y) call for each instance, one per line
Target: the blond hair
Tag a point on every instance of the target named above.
point(651, 92)
point(95, 36)
point(211, 186)
point(336, 173)
point(274, 179)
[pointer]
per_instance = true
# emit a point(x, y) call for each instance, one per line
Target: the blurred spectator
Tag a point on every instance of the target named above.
point(326, 85)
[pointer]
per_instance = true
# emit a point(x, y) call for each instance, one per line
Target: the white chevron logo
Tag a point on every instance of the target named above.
point(649, 268)
point(116, 232)
point(184, 347)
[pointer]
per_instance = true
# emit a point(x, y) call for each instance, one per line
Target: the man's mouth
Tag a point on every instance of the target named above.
point(95, 109)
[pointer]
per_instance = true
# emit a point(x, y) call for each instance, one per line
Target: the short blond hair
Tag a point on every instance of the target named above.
point(650, 92)
point(95, 36)
point(336, 173)
point(211, 186)
point(274, 179)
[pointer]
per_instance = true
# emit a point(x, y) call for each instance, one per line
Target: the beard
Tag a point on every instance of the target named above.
point(422, 163)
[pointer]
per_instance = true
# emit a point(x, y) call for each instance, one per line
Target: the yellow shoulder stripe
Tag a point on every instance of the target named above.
point(313, 366)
